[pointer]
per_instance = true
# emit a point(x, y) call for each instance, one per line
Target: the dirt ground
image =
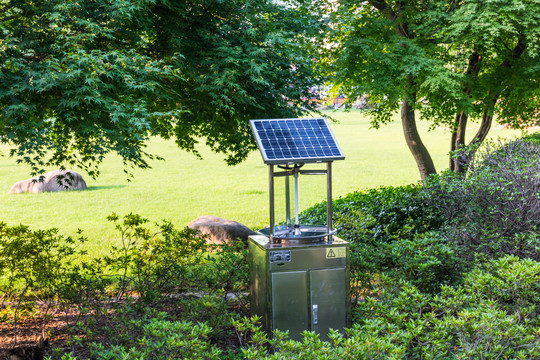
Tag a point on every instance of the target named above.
point(25, 341)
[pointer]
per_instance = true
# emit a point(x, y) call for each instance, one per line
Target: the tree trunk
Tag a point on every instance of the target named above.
point(458, 134)
point(493, 97)
point(458, 140)
point(452, 164)
point(416, 146)
point(485, 125)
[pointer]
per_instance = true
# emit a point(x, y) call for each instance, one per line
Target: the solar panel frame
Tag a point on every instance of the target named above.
point(296, 141)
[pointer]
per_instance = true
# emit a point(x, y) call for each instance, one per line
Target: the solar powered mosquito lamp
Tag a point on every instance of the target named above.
point(299, 273)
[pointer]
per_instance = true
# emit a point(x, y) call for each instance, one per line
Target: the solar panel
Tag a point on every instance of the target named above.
point(286, 141)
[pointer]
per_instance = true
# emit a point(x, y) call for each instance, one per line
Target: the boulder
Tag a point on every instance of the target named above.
point(221, 230)
point(57, 180)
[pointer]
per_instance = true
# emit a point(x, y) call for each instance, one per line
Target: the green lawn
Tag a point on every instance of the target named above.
point(182, 187)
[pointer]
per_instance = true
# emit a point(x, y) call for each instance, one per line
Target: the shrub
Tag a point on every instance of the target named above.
point(42, 270)
point(214, 311)
point(161, 339)
point(513, 283)
point(226, 271)
point(376, 215)
point(495, 208)
point(153, 265)
point(173, 261)
point(359, 344)
point(428, 261)
point(376, 222)
point(494, 314)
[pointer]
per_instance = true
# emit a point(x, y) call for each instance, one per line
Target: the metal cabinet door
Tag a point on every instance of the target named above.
point(290, 309)
point(328, 302)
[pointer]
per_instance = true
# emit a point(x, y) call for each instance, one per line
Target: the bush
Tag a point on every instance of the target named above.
point(513, 283)
point(378, 215)
point(170, 261)
point(379, 225)
point(124, 330)
point(360, 343)
point(427, 261)
point(35, 261)
point(161, 339)
point(495, 209)
point(153, 265)
point(226, 271)
point(214, 311)
point(493, 315)
point(42, 270)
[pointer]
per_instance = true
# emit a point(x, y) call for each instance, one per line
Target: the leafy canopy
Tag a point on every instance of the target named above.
point(81, 79)
point(468, 56)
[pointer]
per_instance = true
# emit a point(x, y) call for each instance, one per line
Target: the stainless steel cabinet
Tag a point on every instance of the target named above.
point(299, 287)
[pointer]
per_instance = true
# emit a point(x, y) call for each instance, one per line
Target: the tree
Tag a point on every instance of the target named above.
point(81, 79)
point(451, 60)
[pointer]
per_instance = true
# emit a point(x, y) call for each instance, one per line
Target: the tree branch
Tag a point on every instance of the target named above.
point(383, 8)
point(517, 51)
point(460, 123)
point(487, 120)
point(401, 28)
point(493, 96)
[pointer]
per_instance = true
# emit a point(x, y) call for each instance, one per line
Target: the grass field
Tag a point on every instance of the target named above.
point(182, 187)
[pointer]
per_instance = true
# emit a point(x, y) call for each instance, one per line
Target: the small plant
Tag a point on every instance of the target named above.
point(214, 311)
point(161, 339)
point(42, 270)
point(226, 270)
point(155, 264)
point(122, 258)
point(360, 343)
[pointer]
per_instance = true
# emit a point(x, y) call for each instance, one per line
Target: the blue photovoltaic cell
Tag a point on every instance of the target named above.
point(283, 141)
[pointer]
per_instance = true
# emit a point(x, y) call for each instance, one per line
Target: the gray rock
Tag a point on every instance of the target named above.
point(57, 180)
point(221, 230)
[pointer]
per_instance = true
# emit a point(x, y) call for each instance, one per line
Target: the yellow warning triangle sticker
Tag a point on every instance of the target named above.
point(336, 252)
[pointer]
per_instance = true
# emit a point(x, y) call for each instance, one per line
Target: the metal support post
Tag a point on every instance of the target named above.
point(329, 198)
point(271, 193)
point(296, 205)
point(287, 201)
